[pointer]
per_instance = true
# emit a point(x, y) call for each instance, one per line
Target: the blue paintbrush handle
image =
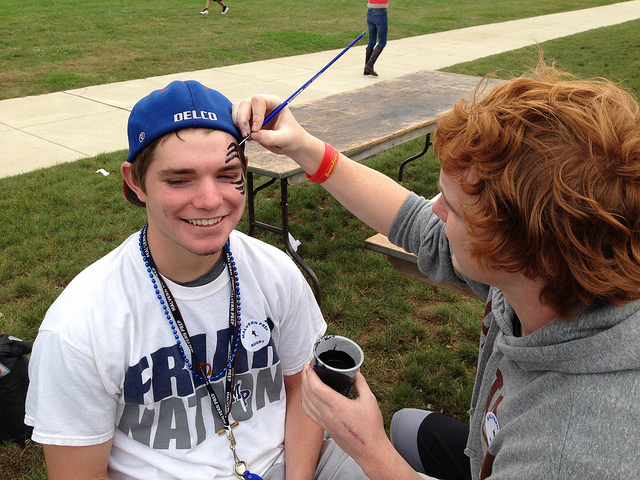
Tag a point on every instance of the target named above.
point(288, 100)
point(297, 92)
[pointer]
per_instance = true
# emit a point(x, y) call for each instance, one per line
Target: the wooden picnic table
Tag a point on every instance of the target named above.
point(359, 124)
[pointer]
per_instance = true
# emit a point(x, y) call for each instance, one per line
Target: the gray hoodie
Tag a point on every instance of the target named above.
point(560, 403)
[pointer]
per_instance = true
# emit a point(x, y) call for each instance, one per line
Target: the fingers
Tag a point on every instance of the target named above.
point(309, 400)
point(316, 395)
point(241, 114)
point(249, 114)
point(361, 385)
point(317, 391)
point(313, 388)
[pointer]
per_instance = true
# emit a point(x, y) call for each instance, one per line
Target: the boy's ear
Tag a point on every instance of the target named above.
point(126, 170)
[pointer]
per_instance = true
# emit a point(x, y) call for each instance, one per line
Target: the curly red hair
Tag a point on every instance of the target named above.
point(554, 163)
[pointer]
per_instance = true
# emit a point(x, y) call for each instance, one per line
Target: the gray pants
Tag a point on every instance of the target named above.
point(404, 433)
point(333, 464)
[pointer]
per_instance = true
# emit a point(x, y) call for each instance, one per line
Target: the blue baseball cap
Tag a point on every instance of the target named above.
point(181, 104)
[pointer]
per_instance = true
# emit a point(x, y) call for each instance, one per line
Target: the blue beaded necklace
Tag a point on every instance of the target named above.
point(178, 324)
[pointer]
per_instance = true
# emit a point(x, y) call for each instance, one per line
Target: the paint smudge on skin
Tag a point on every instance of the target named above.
point(233, 152)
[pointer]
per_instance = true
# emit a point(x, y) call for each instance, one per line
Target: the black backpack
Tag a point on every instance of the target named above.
point(14, 380)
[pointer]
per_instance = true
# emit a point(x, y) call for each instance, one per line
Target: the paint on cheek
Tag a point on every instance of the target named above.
point(241, 185)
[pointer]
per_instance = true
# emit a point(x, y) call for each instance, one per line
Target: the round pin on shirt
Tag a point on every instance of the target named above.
point(491, 427)
point(255, 335)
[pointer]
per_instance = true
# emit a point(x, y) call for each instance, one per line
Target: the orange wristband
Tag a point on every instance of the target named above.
point(327, 166)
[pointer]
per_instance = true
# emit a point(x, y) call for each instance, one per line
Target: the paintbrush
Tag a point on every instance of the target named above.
point(272, 115)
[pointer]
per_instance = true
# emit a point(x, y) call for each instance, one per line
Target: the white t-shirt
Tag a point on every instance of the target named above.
point(106, 365)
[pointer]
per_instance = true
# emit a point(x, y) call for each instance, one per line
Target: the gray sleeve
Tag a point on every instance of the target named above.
point(418, 230)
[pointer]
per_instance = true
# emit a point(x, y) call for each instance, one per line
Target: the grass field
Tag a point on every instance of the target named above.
point(53, 46)
point(420, 342)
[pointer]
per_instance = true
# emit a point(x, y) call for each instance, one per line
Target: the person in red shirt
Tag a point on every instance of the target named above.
point(378, 23)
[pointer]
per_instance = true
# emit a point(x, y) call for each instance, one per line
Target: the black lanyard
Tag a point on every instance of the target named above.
point(177, 316)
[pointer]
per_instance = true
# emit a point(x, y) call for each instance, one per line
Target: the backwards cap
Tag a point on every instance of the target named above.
point(179, 105)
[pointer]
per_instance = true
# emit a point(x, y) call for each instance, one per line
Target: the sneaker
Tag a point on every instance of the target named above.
point(205, 12)
point(224, 10)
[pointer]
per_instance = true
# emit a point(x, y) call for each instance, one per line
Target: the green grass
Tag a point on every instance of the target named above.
point(420, 342)
point(611, 52)
point(53, 46)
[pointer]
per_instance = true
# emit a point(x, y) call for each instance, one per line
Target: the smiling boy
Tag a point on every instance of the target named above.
point(179, 354)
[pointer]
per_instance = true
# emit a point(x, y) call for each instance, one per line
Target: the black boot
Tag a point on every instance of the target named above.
point(367, 57)
point(368, 68)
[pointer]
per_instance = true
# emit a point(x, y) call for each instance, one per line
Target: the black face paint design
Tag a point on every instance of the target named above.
point(241, 186)
point(232, 154)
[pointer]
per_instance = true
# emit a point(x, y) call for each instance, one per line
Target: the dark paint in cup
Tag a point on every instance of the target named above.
point(336, 361)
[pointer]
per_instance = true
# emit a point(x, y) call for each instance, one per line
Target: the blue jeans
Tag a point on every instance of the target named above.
point(378, 23)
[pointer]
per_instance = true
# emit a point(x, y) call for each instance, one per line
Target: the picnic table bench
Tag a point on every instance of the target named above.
point(407, 264)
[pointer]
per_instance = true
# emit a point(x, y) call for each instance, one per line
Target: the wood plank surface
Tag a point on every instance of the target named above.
point(387, 112)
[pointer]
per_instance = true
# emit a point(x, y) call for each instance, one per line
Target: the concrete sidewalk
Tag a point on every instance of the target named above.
point(45, 130)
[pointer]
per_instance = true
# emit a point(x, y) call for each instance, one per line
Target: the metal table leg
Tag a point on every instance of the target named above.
point(284, 231)
point(414, 157)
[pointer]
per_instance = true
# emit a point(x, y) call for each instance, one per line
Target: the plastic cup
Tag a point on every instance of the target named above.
point(336, 360)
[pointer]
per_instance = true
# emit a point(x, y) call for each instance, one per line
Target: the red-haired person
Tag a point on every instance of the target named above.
point(539, 214)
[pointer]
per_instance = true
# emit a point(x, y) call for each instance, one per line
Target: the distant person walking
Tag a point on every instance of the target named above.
point(225, 9)
point(378, 24)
